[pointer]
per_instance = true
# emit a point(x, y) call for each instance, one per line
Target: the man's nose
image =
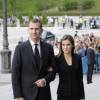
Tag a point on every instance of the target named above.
point(34, 31)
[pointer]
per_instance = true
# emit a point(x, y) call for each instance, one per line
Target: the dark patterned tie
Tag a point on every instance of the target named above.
point(37, 57)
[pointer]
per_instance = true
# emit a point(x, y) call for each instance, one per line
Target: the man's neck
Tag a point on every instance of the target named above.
point(34, 42)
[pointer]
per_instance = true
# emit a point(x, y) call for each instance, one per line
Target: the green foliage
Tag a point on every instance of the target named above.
point(44, 19)
point(21, 20)
point(0, 8)
point(39, 7)
point(11, 7)
point(44, 5)
point(0, 5)
point(87, 4)
point(70, 5)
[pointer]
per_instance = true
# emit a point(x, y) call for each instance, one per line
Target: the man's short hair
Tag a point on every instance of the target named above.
point(35, 20)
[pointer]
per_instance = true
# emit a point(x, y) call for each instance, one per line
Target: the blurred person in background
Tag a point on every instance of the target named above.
point(90, 61)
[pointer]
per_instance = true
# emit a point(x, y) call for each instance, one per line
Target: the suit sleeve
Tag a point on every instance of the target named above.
point(16, 73)
point(81, 84)
point(51, 65)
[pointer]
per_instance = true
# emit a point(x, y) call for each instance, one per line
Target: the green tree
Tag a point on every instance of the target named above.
point(87, 4)
point(11, 5)
point(69, 5)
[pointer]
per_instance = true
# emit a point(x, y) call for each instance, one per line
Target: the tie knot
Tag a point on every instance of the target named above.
point(36, 49)
point(36, 44)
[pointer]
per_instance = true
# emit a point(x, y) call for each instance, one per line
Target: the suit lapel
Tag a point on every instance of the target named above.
point(31, 54)
point(43, 52)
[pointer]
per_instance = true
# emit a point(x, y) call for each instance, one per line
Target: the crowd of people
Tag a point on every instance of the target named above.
point(78, 22)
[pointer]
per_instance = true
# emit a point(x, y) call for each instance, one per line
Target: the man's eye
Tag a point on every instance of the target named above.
point(31, 28)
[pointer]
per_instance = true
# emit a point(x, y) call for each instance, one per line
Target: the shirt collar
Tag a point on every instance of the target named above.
point(33, 45)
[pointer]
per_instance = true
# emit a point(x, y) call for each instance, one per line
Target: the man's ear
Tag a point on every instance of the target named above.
point(41, 31)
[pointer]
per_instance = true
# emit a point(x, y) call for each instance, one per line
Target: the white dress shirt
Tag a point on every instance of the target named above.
point(33, 46)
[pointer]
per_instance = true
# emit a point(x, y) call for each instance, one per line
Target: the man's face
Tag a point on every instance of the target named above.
point(34, 30)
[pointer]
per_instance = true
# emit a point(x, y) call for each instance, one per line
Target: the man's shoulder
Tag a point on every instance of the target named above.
point(90, 50)
point(23, 44)
point(46, 44)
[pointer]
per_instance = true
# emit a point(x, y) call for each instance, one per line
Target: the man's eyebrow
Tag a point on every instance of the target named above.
point(33, 28)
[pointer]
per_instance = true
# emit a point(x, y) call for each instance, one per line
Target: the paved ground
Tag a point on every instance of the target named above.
point(92, 91)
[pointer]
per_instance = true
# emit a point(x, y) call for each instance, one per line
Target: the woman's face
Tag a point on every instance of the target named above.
point(67, 47)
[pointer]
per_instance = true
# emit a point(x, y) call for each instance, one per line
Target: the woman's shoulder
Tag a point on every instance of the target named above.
point(58, 57)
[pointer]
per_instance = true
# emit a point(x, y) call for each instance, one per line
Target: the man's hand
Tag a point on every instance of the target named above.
point(21, 98)
point(41, 82)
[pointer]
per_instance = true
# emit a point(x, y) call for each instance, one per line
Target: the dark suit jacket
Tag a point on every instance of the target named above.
point(70, 77)
point(25, 72)
point(90, 56)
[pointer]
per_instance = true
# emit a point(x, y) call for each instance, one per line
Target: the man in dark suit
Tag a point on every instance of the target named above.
point(31, 77)
point(91, 62)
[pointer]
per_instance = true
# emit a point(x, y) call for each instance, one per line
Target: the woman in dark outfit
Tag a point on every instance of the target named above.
point(69, 68)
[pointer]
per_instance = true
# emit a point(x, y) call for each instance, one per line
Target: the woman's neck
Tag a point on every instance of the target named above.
point(68, 58)
point(68, 55)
